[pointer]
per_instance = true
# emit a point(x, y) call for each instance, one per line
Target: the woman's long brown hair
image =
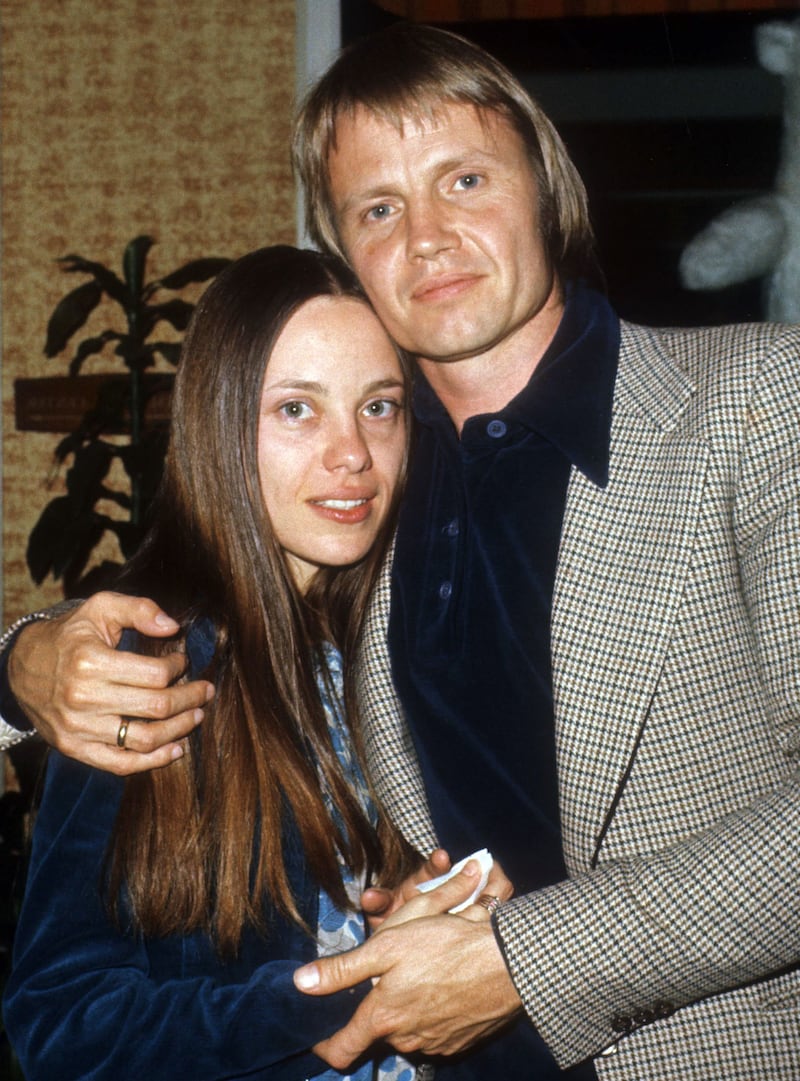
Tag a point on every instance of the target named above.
point(200, 844)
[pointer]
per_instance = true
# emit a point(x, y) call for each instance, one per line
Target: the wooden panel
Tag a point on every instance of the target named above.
point(445, 11)
point(58, 403)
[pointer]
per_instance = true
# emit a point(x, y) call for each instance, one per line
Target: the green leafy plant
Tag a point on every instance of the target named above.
point(71, 525)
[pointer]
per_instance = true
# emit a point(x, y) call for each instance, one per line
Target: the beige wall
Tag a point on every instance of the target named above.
point(122, 117)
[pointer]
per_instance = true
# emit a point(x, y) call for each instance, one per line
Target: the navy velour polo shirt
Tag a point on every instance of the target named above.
point(472, 591)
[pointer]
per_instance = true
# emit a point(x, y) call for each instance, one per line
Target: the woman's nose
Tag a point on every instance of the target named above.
point(348, 449)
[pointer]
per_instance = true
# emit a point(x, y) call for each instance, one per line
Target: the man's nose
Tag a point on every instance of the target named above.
point(430, 229)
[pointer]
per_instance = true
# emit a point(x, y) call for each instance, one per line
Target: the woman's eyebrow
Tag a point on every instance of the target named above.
point(297, 384)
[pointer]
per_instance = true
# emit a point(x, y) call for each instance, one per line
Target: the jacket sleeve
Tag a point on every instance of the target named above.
point(636, 938)
point(630, 942)
point(14, 725)
point(82, 1001)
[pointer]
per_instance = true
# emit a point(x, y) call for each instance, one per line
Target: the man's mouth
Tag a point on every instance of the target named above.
point(444, 286)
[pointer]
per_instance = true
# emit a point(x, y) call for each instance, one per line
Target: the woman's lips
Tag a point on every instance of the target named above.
point(346, 511)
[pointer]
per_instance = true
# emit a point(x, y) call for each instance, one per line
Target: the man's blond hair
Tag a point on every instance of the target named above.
point(411, 71)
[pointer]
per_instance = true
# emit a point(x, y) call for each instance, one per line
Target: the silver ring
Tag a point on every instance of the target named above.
point(490, 903)
point(122, 734)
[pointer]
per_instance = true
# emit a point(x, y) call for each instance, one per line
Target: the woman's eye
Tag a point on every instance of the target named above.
point(295, 410)
point(382, 407)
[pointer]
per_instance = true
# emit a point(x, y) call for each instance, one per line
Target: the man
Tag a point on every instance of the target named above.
point(595, 612)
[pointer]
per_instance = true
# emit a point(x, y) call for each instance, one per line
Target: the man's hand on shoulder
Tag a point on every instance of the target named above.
point(77, 688)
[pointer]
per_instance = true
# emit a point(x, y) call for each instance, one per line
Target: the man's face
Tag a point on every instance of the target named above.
point(440, 222)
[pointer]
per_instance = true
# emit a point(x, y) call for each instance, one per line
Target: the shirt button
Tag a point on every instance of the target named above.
point(451, 529)
point(446, 590)
point(496, 429)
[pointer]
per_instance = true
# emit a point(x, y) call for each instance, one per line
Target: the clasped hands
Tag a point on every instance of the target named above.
point(439, 980)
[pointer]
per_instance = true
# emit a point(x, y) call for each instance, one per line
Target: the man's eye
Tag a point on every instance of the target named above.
point(468, 181)
point(295, 410)
point(379, 213)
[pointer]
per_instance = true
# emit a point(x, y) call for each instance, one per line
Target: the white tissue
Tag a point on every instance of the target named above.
point(484, 858)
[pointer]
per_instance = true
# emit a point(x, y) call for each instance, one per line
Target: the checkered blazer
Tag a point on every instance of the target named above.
point(671, 951)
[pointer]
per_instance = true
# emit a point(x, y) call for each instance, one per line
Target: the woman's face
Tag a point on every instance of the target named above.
point(331, 434)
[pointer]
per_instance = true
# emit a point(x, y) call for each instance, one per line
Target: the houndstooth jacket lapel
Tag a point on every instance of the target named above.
point(621, 570)
point(391, 760)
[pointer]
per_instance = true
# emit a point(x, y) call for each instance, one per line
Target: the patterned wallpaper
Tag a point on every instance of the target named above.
point(122, 117)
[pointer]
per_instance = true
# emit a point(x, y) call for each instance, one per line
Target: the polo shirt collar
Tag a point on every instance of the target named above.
point(568, 399)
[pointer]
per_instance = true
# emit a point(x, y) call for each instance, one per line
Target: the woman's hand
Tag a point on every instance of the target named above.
point(378, 902)
point(389, 908)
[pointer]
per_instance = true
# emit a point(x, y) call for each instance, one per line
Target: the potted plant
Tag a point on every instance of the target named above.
point(71, 525)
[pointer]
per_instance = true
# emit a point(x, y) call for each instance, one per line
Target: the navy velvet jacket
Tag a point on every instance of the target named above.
point(87, 1001)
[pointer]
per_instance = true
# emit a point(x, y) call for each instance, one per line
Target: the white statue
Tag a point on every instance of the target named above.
point(761, 237)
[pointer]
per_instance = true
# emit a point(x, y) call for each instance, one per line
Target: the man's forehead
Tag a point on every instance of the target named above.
point(410, 118)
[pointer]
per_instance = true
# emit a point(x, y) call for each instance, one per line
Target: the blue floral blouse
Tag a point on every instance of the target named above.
point(339, 931)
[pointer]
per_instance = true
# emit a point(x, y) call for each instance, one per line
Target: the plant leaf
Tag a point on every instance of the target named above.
point(79, 540)
point(61, 541)
point(170, 351)
point(86, 474)
point(120, 498)
point(103, 576)
point(199, 270)
point(47, 536)
point(90, 347)
point(68, 445)
point(128, 535)
point(146, 459)
point(70, 314)
point(106, 279)
point(176, 312)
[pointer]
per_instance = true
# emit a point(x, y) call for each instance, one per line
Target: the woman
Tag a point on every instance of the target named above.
point(165, 914)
